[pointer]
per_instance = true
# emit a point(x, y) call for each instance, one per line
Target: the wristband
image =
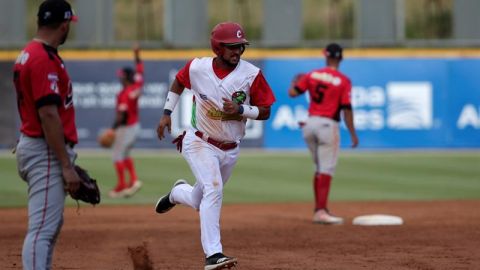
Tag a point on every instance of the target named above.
point(248, 111)
point(167, 112)
point(171, 101)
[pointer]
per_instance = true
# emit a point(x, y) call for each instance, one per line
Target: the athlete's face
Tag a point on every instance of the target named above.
point(65, 28)
point(231, 54)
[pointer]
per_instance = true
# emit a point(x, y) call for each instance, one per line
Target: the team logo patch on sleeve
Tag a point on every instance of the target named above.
point(53, 78)
point(239, 97)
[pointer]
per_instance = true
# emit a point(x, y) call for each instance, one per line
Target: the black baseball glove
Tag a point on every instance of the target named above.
point(88, 190)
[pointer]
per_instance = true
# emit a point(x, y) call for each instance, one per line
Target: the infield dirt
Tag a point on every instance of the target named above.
point(436, 235)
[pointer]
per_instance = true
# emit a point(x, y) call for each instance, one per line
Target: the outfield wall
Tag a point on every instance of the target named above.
point(400, 101)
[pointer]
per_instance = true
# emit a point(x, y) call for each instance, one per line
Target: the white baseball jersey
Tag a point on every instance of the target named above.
point(208, 91)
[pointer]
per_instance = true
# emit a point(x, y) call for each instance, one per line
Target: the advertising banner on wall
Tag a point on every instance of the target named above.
point(398, 103)
point(95, 87)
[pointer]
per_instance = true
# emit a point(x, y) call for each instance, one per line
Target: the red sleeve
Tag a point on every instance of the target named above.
point(139, 70)
point(183, 75)
point(44, 78)
point(346, 95)
point(260, 92)
point(122, 101)
point(302, 83)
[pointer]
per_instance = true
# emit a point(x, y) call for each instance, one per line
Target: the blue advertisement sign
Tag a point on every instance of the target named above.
point(398, 103)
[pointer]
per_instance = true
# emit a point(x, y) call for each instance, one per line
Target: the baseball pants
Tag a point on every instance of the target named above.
point(212, 168)
point(38, 166)
point(323, 139)
point(125, 137)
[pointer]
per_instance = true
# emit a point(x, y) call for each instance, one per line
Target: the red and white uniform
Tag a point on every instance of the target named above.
point(209, 85)
point(329, 92)
point(127, 102)
point(40, 78)
point(211, 165)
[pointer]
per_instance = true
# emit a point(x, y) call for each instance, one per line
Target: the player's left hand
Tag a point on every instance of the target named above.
point(229, 106)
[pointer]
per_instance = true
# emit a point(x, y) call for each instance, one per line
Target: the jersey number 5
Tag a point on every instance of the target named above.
point(319, 93)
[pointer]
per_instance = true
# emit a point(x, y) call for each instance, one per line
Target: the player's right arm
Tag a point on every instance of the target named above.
point(346, 107)
point(182, 80)
point(348, 118)
point(172, 99)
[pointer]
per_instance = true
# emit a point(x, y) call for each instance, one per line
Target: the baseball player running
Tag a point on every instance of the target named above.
point(126, 127)
point(227, 91)
point(329, 91)
point(45, 155)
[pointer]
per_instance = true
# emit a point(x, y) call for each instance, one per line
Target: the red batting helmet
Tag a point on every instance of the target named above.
point(229, 33)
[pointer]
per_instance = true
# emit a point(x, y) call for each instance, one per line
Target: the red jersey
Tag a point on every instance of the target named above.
point(329, 92)
point(41, 79)
point(260, 92)
point(127, 99)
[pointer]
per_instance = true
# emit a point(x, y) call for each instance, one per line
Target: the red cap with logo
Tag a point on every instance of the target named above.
point(227, 33)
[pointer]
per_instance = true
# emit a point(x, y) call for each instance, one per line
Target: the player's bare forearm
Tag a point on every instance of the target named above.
point(136, 53)
point(177, 87)
point(292, 92)
point(53, 132)
point(348, 118)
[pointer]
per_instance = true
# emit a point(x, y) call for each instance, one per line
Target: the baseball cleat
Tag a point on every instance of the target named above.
point(322, 216)
point(118, 192)
point(219, 261)
point(164, 204)
point(134, 188)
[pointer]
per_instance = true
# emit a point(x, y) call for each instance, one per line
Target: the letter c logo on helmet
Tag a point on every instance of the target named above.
point(226, 33)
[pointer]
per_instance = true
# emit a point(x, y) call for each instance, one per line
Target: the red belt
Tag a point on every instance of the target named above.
point(221, 145)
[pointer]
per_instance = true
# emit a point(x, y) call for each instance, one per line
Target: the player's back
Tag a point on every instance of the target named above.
point(329, 89)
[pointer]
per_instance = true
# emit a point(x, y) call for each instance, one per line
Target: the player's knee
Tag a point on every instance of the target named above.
point(214, 192)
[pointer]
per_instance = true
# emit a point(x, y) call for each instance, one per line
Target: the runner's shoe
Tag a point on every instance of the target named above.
point(164, 204)
point(219, 261)
point(118, 192)
point(322, 216)
point(134, 188)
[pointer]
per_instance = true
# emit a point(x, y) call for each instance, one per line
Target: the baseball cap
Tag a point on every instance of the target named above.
point(333, 50)
point(53, 11)
point(126, 72)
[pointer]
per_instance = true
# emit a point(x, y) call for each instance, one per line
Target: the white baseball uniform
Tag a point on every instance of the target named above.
point(212, 129)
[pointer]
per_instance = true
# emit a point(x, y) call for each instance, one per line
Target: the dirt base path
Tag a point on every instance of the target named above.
point(436, 235)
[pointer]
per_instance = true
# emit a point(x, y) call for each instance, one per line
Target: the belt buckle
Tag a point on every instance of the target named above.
point(223, 145)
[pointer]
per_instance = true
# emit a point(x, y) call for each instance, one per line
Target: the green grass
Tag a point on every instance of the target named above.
point(286, 176)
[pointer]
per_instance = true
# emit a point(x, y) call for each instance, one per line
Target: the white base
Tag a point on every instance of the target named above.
point(375, 220)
